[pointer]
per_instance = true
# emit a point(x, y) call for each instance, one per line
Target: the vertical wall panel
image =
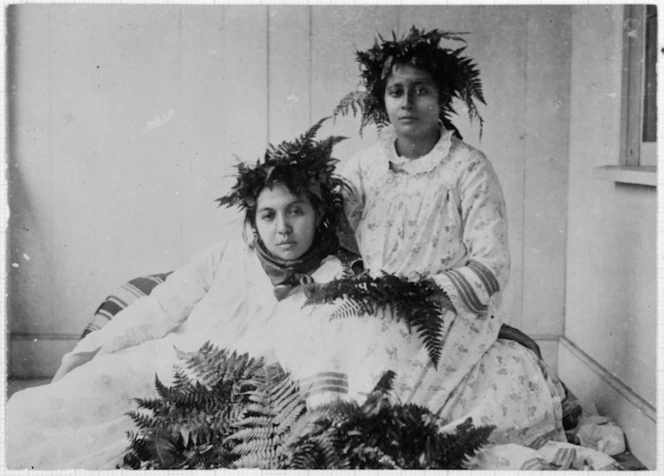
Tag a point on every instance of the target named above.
point(245, 80)
point(546, 168)
point(114, 150)
point(244, 119)
point(205, 157)
point(337, 32)
point(503, 52)
point(290, 72)
point(29, 170)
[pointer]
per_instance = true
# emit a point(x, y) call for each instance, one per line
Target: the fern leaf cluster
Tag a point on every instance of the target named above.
point(188, 424)
point(456, 76)
point(419, 304)
point(254, 416)
point(381, 435)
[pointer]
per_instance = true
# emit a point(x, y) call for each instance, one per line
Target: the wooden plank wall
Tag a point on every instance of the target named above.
point(125, 119)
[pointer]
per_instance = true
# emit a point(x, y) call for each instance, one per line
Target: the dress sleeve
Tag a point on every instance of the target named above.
point(484, 218)
point(354, 194)
point(153, 316)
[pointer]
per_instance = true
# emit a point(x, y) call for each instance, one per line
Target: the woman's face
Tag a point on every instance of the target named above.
point(412, 102)
point(285, 222)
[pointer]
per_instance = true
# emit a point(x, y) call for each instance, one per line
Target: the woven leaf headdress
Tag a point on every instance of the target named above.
point(304, 166)
point(456, 76)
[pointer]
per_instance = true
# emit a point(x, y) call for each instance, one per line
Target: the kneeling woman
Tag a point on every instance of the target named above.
point(226, 295)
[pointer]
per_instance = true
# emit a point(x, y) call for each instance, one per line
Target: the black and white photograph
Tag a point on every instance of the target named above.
point(315, 236)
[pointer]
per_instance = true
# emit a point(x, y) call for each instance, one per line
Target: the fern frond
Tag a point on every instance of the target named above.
point(352, 102)
point(463, 443)
point(144, 421)
point(164, 450)
point(251, 437)
point(274, 409)
point(420, 305)
point(258, 458)
point(358, 307)
point(163, 391)
point(148, 403)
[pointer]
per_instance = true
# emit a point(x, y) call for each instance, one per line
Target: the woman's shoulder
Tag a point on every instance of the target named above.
point(464, 158)
point(462, 151)
point(369, 151)
point(368, 156)
point(365, 166)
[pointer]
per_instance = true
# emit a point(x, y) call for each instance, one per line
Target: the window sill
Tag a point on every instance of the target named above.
point(644, 175)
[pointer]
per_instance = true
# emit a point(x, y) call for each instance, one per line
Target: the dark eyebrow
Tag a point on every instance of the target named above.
point(416, 82)
point(423, 81)
point(297, 201)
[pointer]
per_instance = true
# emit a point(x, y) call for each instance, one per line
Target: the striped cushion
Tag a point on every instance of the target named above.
point(123, 297)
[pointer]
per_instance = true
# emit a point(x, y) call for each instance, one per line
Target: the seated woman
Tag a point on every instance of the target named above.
point(225, 295)
point(425, 205)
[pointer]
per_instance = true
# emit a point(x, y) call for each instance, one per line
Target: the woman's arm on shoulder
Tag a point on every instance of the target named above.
point(484, 217)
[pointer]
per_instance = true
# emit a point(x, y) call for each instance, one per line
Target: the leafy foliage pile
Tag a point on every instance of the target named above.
point(226, 410)
point(419, 304)
point(189, 424)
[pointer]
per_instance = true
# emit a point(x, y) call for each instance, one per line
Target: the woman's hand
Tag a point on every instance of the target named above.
point(72, 361)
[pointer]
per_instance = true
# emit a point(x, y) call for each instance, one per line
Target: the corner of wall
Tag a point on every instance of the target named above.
point(596, 387)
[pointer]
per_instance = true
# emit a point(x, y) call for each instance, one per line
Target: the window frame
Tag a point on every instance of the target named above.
point(635, 151)
point(638, 158)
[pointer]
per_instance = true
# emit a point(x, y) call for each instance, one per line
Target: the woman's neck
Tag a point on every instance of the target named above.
point(414, 148)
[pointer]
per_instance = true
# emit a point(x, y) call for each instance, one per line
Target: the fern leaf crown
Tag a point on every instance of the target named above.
point(304, 165)
point(456, 76)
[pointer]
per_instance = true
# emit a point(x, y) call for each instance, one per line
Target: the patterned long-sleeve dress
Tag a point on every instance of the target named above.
point(443, 216)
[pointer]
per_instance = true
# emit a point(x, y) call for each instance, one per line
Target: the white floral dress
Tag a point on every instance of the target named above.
point(443, 216)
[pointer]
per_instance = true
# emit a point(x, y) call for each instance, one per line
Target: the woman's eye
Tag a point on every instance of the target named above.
point(421, 91)
point(395, 93)
point(296, 212)
point(267, 216)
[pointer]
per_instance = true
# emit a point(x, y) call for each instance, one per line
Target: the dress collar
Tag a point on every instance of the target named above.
point(387, 138)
